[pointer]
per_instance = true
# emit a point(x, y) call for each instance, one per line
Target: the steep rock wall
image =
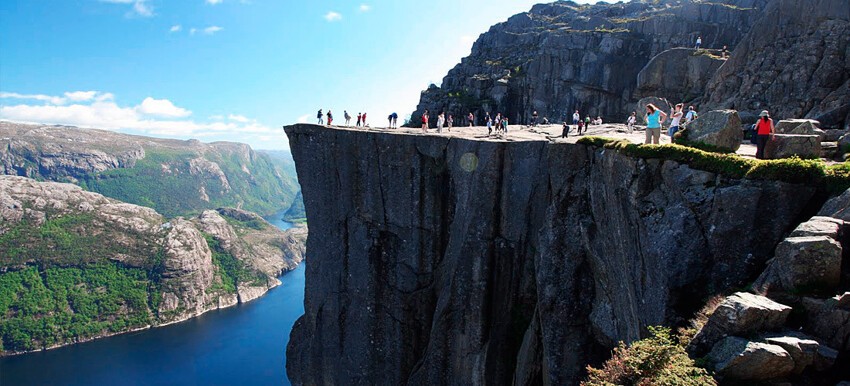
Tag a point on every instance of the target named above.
point(437, 260)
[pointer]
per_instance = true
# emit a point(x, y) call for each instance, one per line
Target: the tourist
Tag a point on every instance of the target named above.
point(580, 126)
point(598, 120)
point(545, 121)
point(489, 122)
point(576, 117)
point(330, 118)
point(347, 117)
point(565, 131)
point(724, 53)
point(631, 122)
point(358, 119)
point(498, 122)
point(699, 42)
point(390, 121)
point(586, 123)
point(534, 118)
point(764, 130)
point(395, 120)
point(692, 114)
point(441, 120)
point(676, 117)
point(505, 124)
point(320, 116)
point(364, 120)
point(425, 121)
point(471, 119)
point(654, 119)
point(450, 122)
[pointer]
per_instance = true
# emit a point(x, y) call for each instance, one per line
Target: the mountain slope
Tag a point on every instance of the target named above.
point(174, 177)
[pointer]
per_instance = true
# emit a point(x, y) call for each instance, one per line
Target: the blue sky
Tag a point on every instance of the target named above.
point(232, 70)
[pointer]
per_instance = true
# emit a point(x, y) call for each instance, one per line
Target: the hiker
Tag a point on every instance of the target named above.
point(565, 131)
point(545, 121)
point(505, 124)
point(395, 120)
point(330, 118)
point(498, 122)
point(534, 119)
point(580, 126)
point(390, 121)
point(654, 119)
point(471, 119)
point(320, 116)
point(631, 122)
point(724, 53)
point(364, 119)
point(441, 120)
point(676, 117)
point(576, 117)
point(359, 115)
point(489, 122)
point(450, 121)
point(347, 117)
point(699, 42)
point(691, 115)
point(586, 124)
point(598, 120)
point(425, 121)
point(764, 130)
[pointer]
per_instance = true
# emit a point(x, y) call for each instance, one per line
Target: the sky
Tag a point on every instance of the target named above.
point(234, 70)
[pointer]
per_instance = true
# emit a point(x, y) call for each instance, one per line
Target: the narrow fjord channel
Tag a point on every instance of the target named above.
point(245, 344)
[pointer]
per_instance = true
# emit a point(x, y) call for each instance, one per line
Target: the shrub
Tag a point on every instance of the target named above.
point(657, 360)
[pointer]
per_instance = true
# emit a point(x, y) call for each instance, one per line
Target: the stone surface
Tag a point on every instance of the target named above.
point(719, 128)
point(640, 107)
point(739, 359)
point(739, 314)
point(803, 349)
point(837, 207)
point(788, 145)
point(828, 322)
point(422, 245)
point(679, 74)
point(820, 226)
point(803, 264)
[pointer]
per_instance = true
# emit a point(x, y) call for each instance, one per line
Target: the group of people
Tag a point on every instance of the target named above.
point(361, 118)
point(582, 125)
point(655, 118)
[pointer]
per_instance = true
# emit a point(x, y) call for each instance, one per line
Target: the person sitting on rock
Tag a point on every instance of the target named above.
point(692, 114)
point(764, 130)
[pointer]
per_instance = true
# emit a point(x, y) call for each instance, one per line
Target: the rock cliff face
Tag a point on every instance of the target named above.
point(563, 56)
point(185, 266)
point(438, 260)
point(189, 176)
point(787, 55)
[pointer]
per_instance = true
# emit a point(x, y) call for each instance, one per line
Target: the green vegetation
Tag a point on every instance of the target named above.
point(230, 270)
point(42, 307)
point(657, 360)
point(167, 181)
point(832, 179)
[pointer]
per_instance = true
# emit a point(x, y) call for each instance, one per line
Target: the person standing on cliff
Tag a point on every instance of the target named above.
point(654, 119)
point(470, 119)
point(320, 116)
point(450, 121)
point(395, 120)
point(498, 122)
point(347, 118)
point(699, 42)
point(565, 131)
point(364, 119)
point(674, 123)
point(764, 130)
point(631, 122)
point(330, 118)
point(489, 122)
point(576, 117)
point(534, 119)
point(441, 120)
point(359, 115)
point(425, 122)
point(580, 126)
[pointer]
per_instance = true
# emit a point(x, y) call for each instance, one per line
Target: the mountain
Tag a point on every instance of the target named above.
point(75, 265)
point(786, 55)
point(171, 176)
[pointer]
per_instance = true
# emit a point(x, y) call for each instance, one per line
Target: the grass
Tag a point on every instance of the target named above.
point(832, 179)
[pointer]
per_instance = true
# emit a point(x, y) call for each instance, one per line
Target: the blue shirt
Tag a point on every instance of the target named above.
point(652, 120)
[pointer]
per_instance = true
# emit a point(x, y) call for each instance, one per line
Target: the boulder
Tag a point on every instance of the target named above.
point(719, 128)
point(820, 226)
point(837, 207)
point(829, 150)
point(740, 313)
point(803, 349)
point(739, 359)
point(803, 263)
point(833, 135)
point(788, 145)
point(826, 321)
point(640, 107)
point(843, 301)
point(797, 126)
point(825, 358)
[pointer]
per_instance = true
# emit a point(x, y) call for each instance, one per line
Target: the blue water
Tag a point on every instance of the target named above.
point(241, 345)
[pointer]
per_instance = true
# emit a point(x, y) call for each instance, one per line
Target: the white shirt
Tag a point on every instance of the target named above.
point(631, 120)
point(576, 117)
point(676, 119)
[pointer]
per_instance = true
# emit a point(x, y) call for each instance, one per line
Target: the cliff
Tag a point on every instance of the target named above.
point(75, 265)
point(189, 176)
point(786, 55)
point(449, 260)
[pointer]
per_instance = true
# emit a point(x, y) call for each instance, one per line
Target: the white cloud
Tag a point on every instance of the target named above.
point(192, 31)
point(153, 117)
point(333, 16)
point(140, 7)
point(79, 96)
point(303, 118)
point(212, 29)
point(162, 108)
point(213, 2)
point(365, 8)
point(175, 28)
